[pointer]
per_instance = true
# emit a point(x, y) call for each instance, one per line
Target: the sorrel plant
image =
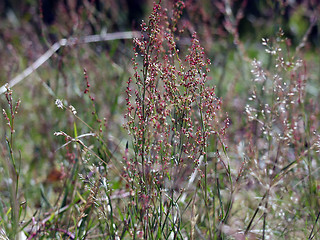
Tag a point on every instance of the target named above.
point(176, 123)
point(12, 168)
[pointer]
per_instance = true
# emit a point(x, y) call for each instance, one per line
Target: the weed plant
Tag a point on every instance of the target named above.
point(175, 121)
point(153, 152)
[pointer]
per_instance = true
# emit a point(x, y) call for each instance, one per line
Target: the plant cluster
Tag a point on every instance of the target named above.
point(175, 121)
point(151, 151)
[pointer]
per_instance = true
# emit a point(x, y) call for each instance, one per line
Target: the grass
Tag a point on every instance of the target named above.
point(159, 142)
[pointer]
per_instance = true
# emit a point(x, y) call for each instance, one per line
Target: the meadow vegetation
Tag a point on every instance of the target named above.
point(203, 126)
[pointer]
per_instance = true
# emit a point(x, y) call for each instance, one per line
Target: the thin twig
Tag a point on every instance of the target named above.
point(66, 42)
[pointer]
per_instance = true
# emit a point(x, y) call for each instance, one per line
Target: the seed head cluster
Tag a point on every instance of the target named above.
point(171, 112)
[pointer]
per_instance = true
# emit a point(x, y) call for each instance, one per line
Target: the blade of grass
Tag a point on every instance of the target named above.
point(311, 236)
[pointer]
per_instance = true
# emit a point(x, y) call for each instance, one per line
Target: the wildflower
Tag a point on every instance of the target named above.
point(317, 144)
point(59, 103)
point(73, 110)
point(171, 112)
point(60, 133)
